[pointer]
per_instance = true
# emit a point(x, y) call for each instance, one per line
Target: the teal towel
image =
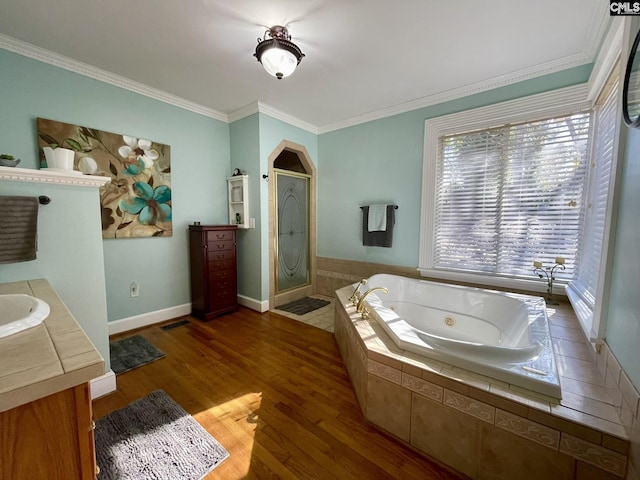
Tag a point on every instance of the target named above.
point(18, 228)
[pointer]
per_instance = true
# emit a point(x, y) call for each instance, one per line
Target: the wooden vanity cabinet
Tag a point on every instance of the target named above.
point(213, 270)
point(49, 438)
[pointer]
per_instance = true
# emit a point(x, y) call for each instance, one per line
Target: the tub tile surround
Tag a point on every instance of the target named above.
point(464, 419)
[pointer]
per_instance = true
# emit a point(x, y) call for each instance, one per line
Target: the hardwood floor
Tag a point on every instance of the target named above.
point(274, 392)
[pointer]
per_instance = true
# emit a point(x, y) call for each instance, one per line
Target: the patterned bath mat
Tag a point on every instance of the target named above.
point(304, 305)
point(154, 438)
point(132, 352)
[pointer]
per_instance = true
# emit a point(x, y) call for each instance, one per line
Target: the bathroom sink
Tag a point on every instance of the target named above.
point(19, 312)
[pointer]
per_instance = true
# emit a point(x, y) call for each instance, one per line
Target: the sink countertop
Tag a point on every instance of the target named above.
point(48, 358)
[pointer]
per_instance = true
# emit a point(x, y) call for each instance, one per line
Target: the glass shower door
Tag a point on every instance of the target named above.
point(292, 249)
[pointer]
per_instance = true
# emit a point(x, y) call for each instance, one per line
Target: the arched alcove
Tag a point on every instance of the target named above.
point(290, 159)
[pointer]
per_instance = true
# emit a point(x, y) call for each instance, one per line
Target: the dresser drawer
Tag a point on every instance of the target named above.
point(217, 236)
point(215, 287)
point(224, 297)
point(224, 264)
point(218, 275)
point(221, 245)
point(216, 256)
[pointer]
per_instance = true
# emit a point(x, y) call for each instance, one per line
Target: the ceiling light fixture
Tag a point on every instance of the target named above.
point(278, 54)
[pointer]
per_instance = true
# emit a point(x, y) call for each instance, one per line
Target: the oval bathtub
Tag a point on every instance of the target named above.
point(498, 334)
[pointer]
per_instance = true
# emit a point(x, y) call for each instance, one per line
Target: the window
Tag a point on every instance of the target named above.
point(511, 195)
point(508, 190)
point(584, 290)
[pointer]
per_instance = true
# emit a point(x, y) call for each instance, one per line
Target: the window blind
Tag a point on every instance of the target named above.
point(588, 273)
point(511, 195)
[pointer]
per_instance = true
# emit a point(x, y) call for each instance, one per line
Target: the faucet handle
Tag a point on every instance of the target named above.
point(365, 313)
point(356, 292)
point(355, 298)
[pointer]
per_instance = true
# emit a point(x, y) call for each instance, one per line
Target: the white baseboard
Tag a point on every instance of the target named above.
point(137, 321)
point(253, 304)
point(157, 316)
point(103, 385)
point(107, 383)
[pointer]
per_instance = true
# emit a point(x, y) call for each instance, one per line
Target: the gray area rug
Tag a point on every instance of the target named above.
point(304, 305)
point(154, 438)
point(132, 352)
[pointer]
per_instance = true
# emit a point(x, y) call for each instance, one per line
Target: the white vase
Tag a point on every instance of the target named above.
point(60, 158)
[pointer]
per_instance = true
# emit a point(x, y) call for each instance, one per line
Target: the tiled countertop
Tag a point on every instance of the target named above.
point(48, 358)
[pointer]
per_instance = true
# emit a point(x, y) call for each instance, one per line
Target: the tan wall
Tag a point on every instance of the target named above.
point(333, 274)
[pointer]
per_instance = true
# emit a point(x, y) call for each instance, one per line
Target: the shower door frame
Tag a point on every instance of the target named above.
point(276, 259)
point(309, 168)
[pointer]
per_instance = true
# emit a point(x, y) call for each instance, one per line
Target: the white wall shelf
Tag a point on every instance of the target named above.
point(238, 187)
point(73, 178)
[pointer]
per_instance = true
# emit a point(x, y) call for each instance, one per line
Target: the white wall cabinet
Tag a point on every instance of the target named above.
point(238, 187)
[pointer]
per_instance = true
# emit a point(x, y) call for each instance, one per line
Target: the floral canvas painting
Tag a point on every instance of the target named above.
point(137, 202)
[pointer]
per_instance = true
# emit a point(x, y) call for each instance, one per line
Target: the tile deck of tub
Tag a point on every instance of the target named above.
point(587, 424)
point(586, 397)
point(591, 408)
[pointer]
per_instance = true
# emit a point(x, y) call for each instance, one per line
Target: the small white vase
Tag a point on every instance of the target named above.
point(60, 158)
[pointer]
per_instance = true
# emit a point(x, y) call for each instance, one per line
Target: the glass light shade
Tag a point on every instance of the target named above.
point(278, 62)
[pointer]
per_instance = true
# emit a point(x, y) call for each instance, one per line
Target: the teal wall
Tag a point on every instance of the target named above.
point(253, 139)
point(200, 159)
point(378, 161)
point(381, 162)
point(272, 132)
point(68, 256)
point(623, 324)
point(245, 155)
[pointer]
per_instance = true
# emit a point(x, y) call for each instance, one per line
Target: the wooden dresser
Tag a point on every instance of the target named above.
point(213, 270)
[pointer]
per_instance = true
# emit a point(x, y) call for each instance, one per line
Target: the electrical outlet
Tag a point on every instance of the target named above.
point(134, 290)
point(252, 223)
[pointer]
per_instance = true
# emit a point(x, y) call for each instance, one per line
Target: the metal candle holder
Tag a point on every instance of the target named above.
point(548, 274)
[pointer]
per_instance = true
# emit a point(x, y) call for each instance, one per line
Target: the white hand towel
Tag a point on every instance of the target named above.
point(377, 218)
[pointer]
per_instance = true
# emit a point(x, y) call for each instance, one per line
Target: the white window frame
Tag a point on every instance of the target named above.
point(556, 103)
point(593, 319)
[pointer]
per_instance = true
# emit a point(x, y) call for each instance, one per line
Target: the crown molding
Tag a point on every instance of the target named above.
point(74, 178)
point(606, 60)
point(598, 25)
point(260, 107)
point(243, 112)
point(286, 118)
point(457, 93)
point(31, 51)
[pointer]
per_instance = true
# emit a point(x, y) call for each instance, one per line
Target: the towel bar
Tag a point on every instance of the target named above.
point(395, 207)
point(44, 200)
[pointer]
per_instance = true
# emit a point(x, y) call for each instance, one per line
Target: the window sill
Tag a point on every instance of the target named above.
point(584, 312)
point(530, 285)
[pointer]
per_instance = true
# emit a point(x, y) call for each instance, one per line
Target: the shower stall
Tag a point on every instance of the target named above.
point(292, 218)
point(292, 227)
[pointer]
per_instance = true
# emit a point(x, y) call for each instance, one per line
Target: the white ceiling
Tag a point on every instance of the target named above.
point(362, 56)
